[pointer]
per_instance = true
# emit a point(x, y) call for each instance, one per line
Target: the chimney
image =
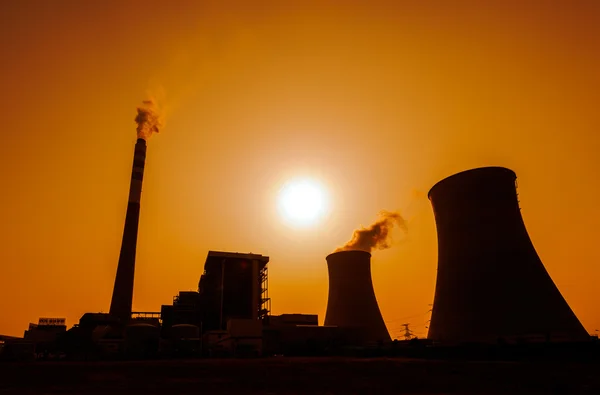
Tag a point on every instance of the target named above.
point(491, 284)
point(351, 302)
point(122, 296)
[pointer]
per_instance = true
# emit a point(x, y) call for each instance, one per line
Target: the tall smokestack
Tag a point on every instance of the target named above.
point(491, 284)
point(122, 297)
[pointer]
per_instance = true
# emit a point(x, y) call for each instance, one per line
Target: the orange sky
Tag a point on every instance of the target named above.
point(376, 100)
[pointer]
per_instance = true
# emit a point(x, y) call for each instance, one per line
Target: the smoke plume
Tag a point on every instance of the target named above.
point(147, 119)
point(377, 235)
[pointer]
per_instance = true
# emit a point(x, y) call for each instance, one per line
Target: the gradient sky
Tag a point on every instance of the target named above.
point(376, 100)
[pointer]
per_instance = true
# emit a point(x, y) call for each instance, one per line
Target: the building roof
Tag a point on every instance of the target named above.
point(237, 255)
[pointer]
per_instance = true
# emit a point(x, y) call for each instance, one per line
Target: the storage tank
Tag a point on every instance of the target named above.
point(351, 301)
point(100, 332)
point(491, 284)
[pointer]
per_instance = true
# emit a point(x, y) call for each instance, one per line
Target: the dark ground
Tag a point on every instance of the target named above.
point(300, 376)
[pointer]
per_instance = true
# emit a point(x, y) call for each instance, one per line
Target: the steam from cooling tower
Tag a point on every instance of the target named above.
point(377, 235)
point(148, 119)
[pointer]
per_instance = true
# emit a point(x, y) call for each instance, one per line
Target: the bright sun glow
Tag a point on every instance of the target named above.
point(302, 202)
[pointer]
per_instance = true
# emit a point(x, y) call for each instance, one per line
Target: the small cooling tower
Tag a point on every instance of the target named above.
point(351, 302)
point(491, 284)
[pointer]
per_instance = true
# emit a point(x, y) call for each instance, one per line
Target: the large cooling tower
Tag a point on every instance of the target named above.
point(351, 302)
point(122, 296)
point(491, 284)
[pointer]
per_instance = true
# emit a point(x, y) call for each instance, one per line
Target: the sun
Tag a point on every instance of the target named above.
point(302, 202)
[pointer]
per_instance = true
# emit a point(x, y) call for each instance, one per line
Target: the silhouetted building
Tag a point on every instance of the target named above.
point(233, 285)
point(491, 284)
point(352, 302)
point(185, 310)
point(47, 330)
point(92, 320)
point(122, 296)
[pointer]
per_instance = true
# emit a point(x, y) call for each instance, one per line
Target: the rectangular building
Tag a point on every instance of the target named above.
point(233, 286)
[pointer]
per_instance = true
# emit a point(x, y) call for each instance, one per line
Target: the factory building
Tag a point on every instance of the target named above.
point(39, 341)
point(232, 286)
point(491, 284)
point(231, 311)
point(46, 330)
point(229, 308)
point(185, 310)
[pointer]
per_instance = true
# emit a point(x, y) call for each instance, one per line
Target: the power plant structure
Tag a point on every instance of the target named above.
point(491, 284)
point(232, 286)
point(351, 302)
point(491, 288)
point(122, 297)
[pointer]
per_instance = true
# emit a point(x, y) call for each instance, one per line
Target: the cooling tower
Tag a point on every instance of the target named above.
point(351, 301)
point(122, 296)
point(491, 284)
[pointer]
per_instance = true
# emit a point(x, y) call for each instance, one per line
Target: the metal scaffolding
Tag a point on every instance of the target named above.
point(265, 301)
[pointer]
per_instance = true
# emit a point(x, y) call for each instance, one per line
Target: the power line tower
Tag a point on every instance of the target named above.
point(407, 332)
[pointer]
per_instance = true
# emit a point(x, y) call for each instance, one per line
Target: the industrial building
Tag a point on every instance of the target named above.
point(491, 284)
point(232, 286)
point(38, 341)
point(46, 330)
point(229, 315)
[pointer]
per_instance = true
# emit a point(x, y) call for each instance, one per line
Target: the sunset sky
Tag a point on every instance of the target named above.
point(375, 101)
